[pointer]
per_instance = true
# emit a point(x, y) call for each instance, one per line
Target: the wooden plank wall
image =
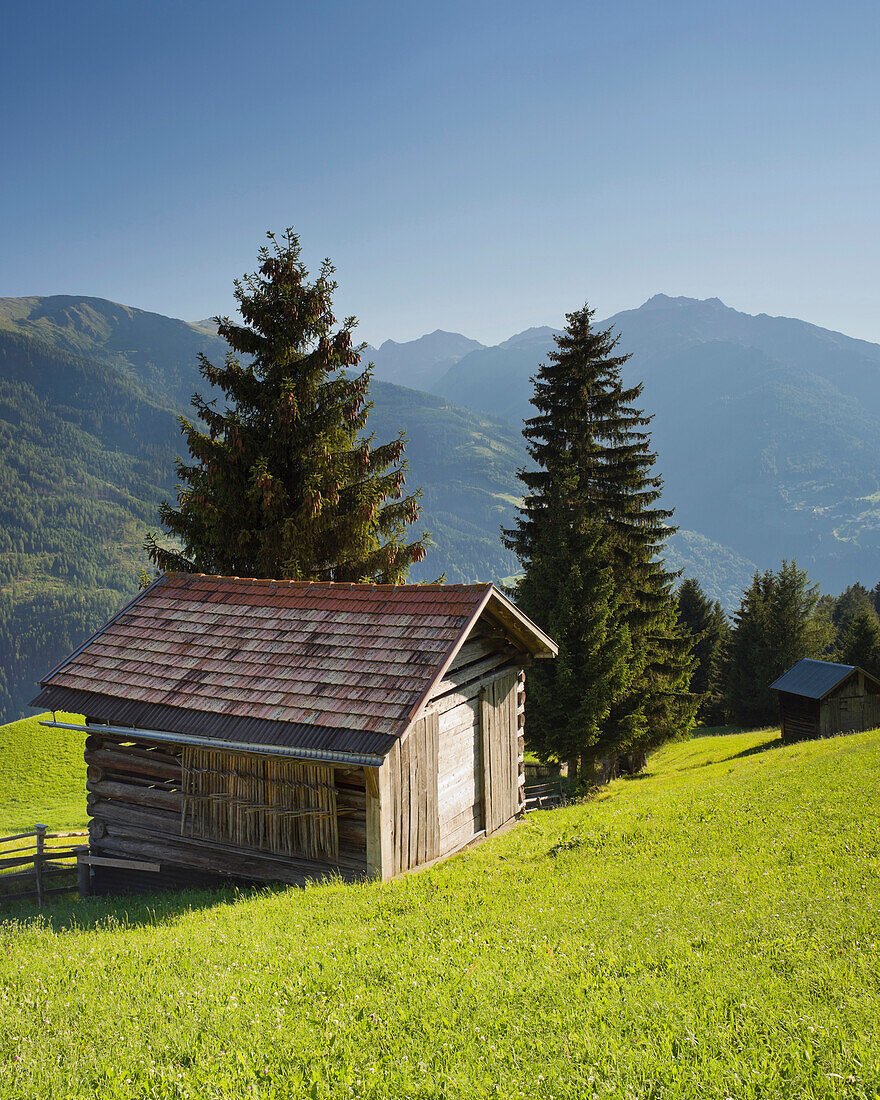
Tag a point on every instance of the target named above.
point(135, 800)
point(850, 709)
point(482, 660)
point(411, 793)
point(500, 737)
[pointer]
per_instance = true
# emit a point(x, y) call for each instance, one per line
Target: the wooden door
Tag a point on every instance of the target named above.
point(500, 751)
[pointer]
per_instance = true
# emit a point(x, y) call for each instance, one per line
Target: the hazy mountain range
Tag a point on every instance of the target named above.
point(765, 429)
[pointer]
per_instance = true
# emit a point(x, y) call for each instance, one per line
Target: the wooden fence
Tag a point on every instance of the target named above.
point(38, 864)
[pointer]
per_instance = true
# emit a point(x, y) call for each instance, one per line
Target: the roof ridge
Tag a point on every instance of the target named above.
point(474, 585)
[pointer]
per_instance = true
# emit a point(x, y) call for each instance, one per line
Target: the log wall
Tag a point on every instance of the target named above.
point(798, 717)
point(135, 802)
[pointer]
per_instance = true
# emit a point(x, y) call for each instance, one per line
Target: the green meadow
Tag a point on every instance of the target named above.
point(42, 776)
point(711, 929)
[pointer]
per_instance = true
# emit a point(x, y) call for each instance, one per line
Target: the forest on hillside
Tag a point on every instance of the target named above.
point(86, 457)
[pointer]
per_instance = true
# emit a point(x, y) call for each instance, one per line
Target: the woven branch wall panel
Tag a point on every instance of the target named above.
point(262, 802)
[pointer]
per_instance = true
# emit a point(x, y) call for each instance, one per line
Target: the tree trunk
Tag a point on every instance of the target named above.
point(599, 771)
point(631, 763)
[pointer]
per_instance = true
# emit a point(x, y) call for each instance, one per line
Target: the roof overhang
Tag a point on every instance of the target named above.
point(323, 756)
point(520, 627)
point(182, 725)
point(527, 634)
point(817, 682)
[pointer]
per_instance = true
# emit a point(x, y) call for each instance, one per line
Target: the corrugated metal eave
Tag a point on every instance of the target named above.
point(262, 732)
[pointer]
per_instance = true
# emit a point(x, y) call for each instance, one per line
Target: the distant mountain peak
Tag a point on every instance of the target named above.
point(438, 336)
point(664, 301)
point(538, 334)
point(417, 363)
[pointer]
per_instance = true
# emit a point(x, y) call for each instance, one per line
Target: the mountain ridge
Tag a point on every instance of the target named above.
point(801, 483)
point(764, 456)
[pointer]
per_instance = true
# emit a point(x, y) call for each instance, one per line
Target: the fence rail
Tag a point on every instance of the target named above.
point(45, 864)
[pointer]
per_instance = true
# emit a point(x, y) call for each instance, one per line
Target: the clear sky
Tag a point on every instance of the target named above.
point(476, 166)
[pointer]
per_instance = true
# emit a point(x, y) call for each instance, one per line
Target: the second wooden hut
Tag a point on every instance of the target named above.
point(822, 698)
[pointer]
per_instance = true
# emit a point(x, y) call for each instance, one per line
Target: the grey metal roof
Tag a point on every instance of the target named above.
point(813, 679)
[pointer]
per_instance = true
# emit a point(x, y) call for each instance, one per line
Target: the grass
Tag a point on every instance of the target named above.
point(43, 776)
point(710, 930)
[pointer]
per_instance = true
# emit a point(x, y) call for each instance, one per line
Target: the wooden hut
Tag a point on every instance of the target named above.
point(277, 730)
point(821, 698)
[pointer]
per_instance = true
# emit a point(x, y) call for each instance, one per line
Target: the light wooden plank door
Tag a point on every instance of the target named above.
point(500, 751)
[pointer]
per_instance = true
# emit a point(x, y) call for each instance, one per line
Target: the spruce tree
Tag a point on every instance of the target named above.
point(852, 601)
point(569, 589)
point(283, 482)
point(777, 624)
point(706, 623)
point(860, 642)
point(589, 536)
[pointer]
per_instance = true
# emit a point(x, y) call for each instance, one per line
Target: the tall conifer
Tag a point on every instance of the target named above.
point(859, 642)
point(593, 489)
point(778, 622)
point(283, 482)
point(705, 621)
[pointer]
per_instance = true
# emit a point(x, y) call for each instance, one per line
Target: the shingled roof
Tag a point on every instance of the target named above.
point(343, 667)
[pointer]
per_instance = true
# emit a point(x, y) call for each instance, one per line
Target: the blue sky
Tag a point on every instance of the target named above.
point(480, 167)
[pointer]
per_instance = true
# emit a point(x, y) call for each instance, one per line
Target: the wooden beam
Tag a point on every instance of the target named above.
point(122, 864)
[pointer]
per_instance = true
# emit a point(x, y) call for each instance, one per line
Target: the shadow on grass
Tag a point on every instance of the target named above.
point(65, 915)
point(773, 743)
point(776, 743)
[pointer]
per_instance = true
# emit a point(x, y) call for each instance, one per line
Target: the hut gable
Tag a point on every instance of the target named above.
point(823, 698)
point(299, 726)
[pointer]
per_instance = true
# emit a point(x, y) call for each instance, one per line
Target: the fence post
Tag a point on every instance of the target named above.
point(38, 861)
point(83, 873)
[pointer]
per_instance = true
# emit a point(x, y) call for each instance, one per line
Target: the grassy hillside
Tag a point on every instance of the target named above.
point(709, 930)
point(42, 776)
